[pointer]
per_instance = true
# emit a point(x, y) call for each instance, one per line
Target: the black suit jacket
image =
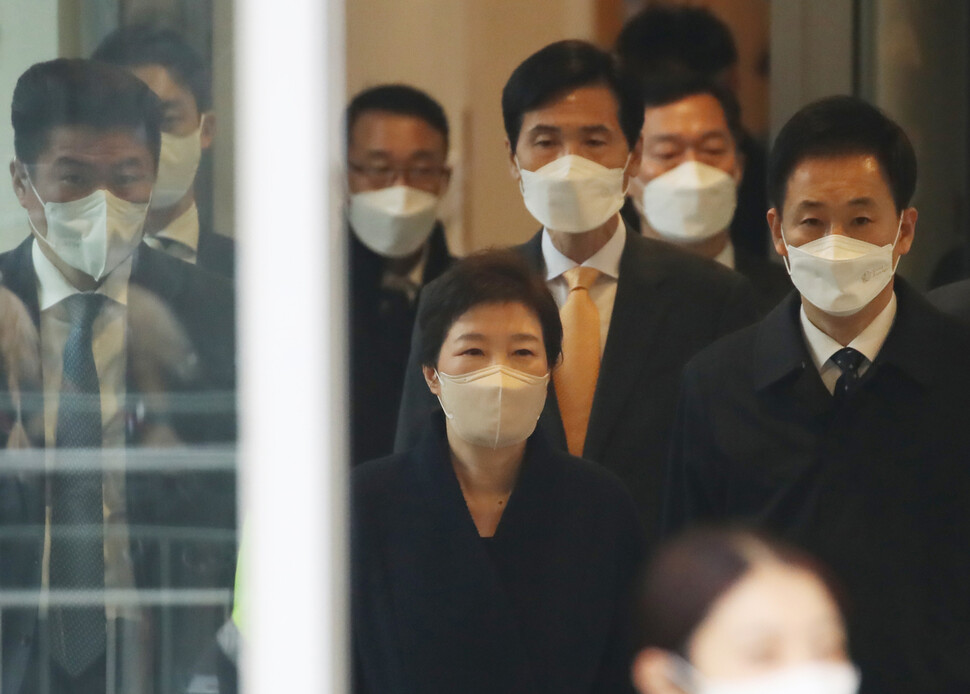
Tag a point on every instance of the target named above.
point(216, 253)
point(876, 485)
point(668, 305)
point(381, 321)
point(769, 280)
point(953, 299)
point(541, 607)
point(195, 400)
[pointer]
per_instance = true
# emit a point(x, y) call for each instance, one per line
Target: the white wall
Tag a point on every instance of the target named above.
point(28, 34)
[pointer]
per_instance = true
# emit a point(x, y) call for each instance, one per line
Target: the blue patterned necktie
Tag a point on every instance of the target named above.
point(849, 361)
point(77, 510)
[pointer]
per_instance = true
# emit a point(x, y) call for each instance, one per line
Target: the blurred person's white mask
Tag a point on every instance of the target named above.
point(393, 222)
point(572, 194)
point(691, 202)
point(815, 677)
point(93, 234)
point(839, 274)
point(493, 407)
point(178, 162)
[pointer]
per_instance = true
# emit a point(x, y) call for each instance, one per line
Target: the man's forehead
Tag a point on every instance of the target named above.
point(696, 114)
point(163, 82)
point(84, 142)
point(395, 133)
point(588, 106)
point(842, 179)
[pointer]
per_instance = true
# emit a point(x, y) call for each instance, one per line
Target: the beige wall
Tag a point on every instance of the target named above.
point(462, 53)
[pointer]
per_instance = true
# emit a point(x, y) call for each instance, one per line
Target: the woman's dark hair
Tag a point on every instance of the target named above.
point(489, 277)
point(838, 126)
point(687, 575)
point(563, 66)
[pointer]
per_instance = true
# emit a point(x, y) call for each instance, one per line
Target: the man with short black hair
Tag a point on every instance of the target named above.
point(686, 190)
point(663, 42)
point(165, 61)
point(397, 171)
point(838, 420)
point(633, 309)
point(129, 357)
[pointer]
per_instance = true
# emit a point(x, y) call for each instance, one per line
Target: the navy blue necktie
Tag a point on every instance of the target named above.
point(77, 515)
point(849, 361)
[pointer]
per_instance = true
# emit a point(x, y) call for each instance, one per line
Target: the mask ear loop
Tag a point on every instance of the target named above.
point(626, 188)
point(899, 229)
point(785, 259)
point(447, 414)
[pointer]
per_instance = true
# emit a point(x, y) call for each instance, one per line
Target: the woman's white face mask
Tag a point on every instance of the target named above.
point(816, 677)
point(839, 274)
point(493, 407)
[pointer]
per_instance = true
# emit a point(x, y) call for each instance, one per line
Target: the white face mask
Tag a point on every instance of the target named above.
point(177, 164)
point(572, 194)
point(810, 678)
point(691, 202)
point(494, 407)
point(838, 274)
point(393, 222)
point(93, 234)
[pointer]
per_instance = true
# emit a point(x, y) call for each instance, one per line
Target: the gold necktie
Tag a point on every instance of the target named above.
point(576, 376)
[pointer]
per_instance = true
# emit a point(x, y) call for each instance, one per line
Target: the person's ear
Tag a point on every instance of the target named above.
point(651, 672)
point(774, 224)
point(907, 231)
point(513, 167)
point(18, 177)
point(739, 162)
point(431, 378)
point(208, 133)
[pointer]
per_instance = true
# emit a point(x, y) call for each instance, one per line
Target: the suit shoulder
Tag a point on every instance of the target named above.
point(679, 262)
point(727, 352)
point(377, 477)
point(953, 299)
point(598, 487)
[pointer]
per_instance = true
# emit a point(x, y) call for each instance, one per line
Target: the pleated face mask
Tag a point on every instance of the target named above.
point(572, 194)
point(494, 407)
point(839, 274)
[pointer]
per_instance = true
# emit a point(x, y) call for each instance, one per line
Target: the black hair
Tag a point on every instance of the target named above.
point(401, 99)
point(78, 92)
point(838, 126)
point(660, 91)
point(560, 67)
point(149, 44)
point(488, 277)
point(689, 573)
point(664, 39)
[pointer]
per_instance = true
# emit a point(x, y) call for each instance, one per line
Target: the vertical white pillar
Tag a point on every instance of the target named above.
point(290, 90)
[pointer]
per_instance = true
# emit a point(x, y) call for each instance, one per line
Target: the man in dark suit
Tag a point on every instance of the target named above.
point(573, 125)
point(397, 151)
point(686, 191)
point(837, 421)
point(179, 77)
point(128, 357)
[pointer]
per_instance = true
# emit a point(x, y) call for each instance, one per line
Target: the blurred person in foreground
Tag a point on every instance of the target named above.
point(129, 358)
point(728, 611)
point(178, 75)
point(483, 560)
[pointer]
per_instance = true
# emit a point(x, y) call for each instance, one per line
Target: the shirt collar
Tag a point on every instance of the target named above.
point(606, 259)
point(184, 229)
point(821, 347)
point(53, 287)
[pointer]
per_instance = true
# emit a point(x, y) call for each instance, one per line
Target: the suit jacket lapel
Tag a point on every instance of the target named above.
point(635, 327)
